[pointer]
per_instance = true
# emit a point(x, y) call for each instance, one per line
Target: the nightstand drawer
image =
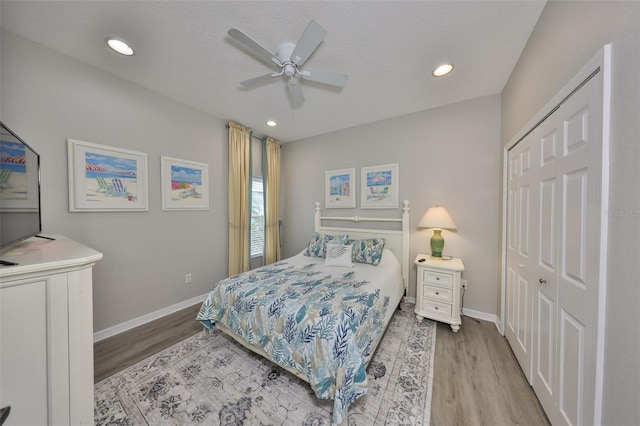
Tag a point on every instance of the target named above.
point(440, 309)
point(430, 277)
point(441, 294)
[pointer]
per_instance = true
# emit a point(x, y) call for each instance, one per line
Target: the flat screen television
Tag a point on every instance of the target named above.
point(19, 189)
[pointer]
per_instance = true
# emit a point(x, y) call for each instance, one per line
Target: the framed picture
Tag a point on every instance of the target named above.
point(19, 173)
point(379, 187)
point(185, 184)
point(104, 178)
point(340, 188)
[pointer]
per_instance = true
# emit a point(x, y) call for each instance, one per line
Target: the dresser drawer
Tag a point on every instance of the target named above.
point(435, 308)
point(431, 277)
point(438, 293)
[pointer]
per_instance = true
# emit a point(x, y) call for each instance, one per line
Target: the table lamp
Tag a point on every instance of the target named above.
point(437, 218)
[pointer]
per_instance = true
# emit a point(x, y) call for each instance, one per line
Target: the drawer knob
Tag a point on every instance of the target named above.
point(437, 293)
point(437, 278)
point(436, 308)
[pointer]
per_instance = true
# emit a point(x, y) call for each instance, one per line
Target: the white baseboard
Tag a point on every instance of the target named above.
point(499, 326)
point(128, 325)
point(479, 315)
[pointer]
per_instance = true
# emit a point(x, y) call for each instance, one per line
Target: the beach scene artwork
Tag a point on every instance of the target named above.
point(379, 185)
point(13, 171)
point(186, 184)
point(110, 179)
point(340, 187)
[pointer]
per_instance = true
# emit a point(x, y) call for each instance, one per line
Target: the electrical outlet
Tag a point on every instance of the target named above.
point(187, 278)
point(463, 283)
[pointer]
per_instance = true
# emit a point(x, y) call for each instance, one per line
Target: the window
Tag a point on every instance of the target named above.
point(257, 217)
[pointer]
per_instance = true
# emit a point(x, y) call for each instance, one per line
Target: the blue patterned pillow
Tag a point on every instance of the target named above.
point(367, 251)
point(318, 243)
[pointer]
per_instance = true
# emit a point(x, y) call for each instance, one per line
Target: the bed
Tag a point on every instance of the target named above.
point(318, 314)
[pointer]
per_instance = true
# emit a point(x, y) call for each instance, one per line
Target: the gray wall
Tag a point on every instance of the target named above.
point(567, 35)
point(47, 98)
point(448, 156)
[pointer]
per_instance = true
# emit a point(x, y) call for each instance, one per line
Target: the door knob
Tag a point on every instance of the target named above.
point(541, 281)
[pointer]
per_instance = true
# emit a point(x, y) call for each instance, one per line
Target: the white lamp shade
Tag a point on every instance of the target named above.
point(437, 217)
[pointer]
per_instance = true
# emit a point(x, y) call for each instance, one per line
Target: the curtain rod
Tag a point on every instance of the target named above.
point(250, 133)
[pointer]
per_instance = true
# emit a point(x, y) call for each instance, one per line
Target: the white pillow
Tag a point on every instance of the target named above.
point(338, 255)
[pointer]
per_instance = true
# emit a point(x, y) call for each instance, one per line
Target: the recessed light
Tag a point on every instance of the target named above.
point(119, 46)
point(443, 69)
point(271, 123)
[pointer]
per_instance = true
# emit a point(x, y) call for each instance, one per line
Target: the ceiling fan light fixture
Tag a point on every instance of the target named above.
point(289, 58)
point(271, 123)
point(289, 70)
point(119, 46)
point(442, 70)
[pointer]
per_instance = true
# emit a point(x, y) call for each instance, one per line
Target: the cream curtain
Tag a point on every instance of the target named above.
point(239, 192)
point(271, 172)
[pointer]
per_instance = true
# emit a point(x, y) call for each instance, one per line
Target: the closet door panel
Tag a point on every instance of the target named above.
point(547, 146)
point(545, 343)
point(522, 332)
point(546, 236)
point(519, 307)
point(511, 300)
point(575, 222)
point(570, 400)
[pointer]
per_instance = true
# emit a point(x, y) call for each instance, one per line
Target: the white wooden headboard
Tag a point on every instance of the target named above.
point(395, 240)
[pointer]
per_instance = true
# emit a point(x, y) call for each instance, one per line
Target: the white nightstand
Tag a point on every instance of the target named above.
point(438, 290)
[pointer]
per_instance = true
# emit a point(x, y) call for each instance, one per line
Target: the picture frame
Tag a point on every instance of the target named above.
point(19, 180)
point(340, 189)
point(185, 184)
point(103, 178)
point(379, 187)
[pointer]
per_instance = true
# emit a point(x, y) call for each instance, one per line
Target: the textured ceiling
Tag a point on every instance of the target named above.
point(387, 48)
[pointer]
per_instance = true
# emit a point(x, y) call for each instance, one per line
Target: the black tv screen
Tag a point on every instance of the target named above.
point(19, 189)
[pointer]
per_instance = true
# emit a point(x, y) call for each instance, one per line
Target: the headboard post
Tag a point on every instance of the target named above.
point(317, 218)
point(405, 246)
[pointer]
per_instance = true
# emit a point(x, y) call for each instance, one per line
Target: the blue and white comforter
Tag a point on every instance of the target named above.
point(322, 321)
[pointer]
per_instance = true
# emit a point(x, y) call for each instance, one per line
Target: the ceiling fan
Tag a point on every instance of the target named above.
point(289, 58)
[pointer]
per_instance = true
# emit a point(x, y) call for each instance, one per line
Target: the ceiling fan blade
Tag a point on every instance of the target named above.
point(295, 92)
point(326, 77)
point(253, 45)
point(257, 81)
point(308, 43)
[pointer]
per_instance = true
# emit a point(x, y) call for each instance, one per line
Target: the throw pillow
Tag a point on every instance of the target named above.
point(318, 243)
point(338, 255)
point(368, 251)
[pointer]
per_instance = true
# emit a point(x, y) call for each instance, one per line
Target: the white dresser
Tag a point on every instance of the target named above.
point(46, 332)
point(438, 290)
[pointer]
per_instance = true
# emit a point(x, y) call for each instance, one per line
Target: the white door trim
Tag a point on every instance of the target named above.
point(601, 61)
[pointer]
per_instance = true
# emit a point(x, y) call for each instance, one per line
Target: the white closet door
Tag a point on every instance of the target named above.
point(519, 291)
point(566, 247)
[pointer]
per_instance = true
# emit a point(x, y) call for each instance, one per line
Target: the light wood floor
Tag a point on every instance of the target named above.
point(477, 380)
point(125, 349)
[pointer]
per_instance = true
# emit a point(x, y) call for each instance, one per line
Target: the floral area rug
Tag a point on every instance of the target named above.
point(210, 379)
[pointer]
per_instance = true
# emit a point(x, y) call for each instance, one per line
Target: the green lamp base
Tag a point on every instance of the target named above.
point(437, 243)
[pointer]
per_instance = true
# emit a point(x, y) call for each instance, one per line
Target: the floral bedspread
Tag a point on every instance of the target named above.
point(323, 322)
